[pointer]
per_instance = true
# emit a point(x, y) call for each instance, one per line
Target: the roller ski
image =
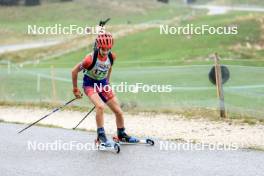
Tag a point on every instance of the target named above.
point(123, 138)
point(102, 143)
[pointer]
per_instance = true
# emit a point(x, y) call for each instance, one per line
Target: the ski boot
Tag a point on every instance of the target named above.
point(103, 143)
point(123, 138)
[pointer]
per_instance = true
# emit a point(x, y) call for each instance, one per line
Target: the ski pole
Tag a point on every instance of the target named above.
point(47, 115)
point(83, 118)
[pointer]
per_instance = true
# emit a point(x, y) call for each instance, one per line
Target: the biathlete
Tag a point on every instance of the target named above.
point(97, 68)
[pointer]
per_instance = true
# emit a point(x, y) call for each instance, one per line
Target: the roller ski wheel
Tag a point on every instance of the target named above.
point(150, 142)
point(140, 141)
point(117, 147)
point(109, 146)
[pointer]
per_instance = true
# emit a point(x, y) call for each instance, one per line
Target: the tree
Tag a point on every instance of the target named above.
point(32, 2)
point(9, 2)
point(164, 1)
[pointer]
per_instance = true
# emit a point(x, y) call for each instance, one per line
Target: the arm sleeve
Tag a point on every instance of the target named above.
point(86, 62)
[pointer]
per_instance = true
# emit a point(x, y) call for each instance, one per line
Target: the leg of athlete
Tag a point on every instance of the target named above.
point(99, 107)
point(121, 134)
point(115, 107)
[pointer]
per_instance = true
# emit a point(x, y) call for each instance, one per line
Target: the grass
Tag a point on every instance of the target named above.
point(150, 58)
point(259, 3)
point(16, 31)
point(255, 148)
point(147, 48)
point(188, 113)
point(44, 105)
point(186, 68)
point(13, 26)
point(250, 121)
point(36, 54)
point(239, 2)
point(195, 91)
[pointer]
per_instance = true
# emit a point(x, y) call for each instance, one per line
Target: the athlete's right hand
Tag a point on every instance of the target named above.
point(77, 93)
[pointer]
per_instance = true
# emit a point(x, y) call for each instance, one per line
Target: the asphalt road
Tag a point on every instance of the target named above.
point(17, 158)
point(22, 46)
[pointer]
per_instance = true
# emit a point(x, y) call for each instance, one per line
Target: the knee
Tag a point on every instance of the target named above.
point(118, 112)
point(100, 108)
